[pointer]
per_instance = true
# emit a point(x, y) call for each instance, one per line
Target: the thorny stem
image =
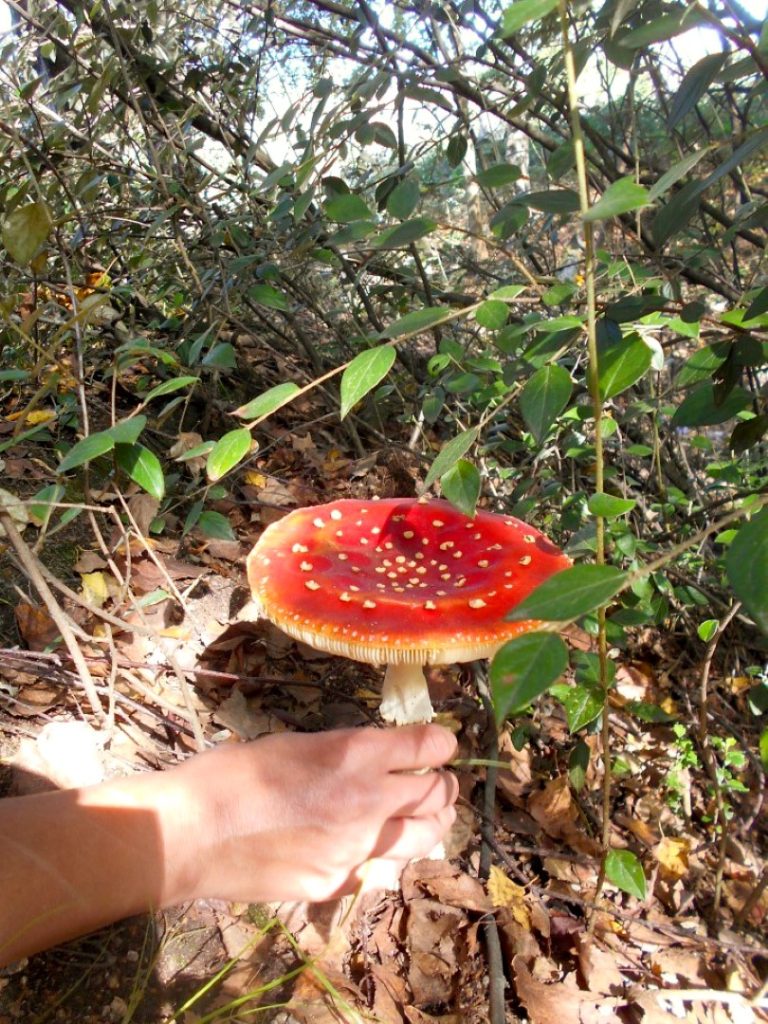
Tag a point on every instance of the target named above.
point(597, 410)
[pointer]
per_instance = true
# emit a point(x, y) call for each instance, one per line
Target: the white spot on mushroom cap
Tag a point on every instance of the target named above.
point(335, 513)
point(525, 560)
point(306, 567)
point(312, 585)
point(319, 523)
point(477, 602)
point(297, 549)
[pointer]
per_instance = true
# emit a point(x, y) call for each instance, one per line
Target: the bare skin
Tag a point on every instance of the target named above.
point(289, 817)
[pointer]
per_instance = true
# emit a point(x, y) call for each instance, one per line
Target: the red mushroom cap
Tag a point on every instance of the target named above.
point(399, 580)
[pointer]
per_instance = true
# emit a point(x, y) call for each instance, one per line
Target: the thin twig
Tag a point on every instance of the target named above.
point(32, 569)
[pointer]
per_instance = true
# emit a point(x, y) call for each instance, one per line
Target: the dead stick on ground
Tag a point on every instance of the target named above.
point(497, 982)
point(32, 569)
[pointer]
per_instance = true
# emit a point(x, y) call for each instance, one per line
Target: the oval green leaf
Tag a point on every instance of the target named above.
point(523, 669)
point(347, 208)
point(522, 12)
point(268, 296)
point(543, 398)
point(746, 565)
point(621, 364)
point(621, 196)
point(569, 594)
point(404, 199)
point(169, 386)
point(143, 467)
point(693, 86)
point(404, 234)
point(127, 431)
point(624, 870)
point(25, 230)
point(228, 451)
point(269, 402)
point(701, 409)
point(498, 175)
point(418, 320)
point(492, 314)
point(609, 506)
point(215, 525)
point(450, 454)
point(461, 486)
point(583, 703)
point(364, 373)
point(84, 451)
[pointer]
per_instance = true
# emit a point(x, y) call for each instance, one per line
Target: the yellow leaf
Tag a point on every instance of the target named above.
point(254, 478)
point(505, 893)
point(669, 706)
point(40, 416)
point(672, 855)
point(175, 633)
point(95, 588)
point(738, 684)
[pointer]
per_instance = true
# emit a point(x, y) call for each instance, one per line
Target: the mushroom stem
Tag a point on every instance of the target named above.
point(405, 697)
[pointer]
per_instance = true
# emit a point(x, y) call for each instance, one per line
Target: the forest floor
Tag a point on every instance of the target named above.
point(520, 883)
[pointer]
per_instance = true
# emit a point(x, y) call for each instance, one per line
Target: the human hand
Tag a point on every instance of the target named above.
point(297, 817)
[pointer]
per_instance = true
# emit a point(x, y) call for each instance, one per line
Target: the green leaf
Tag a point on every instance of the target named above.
point(197, 452)
point(701, 408)
point(143, 467)
point(498, 175)
point(169, 386)
point(621, 364)
point(758, 305)
point(707, 629)
point(492, 314)
point(523, 669)
point(676, 172)
point(346, 208)
point(84, 451)
point(364, 373)
point(461, 486)
point(40, 507)
point(127, 431)
point(25, 230)
point(675, 214)
point(578, 764)
point(507, 291)
point(215, 525)
point(523, 11)
point(418, 320)
point(746, 565)
point(404, 234)
point(222, 356)
point(269, 402)
point(450, 454)
point(609, 506)
point(543, 398)
point(570, 594)
point(404, 199)
point(620, 197)
point(583, 703)
point(624, 870)
point(456, 150)
point(555, 200)
point(660, 29)
point(268, 296)
point(228, 451)
point(764, 749)
point(693, 86)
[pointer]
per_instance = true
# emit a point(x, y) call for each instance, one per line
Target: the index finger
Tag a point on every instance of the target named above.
point(413, 747)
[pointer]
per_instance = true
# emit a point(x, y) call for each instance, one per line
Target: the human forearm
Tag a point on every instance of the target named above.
point(72, 861)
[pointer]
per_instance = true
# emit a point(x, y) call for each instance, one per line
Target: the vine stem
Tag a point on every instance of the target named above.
point(597, 412)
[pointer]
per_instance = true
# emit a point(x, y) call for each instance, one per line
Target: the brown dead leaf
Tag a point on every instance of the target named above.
point(324, 996)
point(559, 1002)
point(187, 440)
point(414, 1016)
point(599, 968)
point(515, 780)
point(246, 718)
point(36, 626)
point(449, 885)
point(89, 561)
point(433, 938)
point(143, 508)
point(553, 808)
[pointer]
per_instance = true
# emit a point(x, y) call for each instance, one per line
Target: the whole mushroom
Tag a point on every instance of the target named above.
point(400, 582)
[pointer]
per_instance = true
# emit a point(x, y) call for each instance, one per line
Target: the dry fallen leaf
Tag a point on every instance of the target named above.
point(673, 857)
point(95, 589)
point(505, 893)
